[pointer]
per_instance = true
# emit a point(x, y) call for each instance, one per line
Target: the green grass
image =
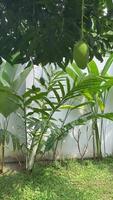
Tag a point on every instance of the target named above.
point(90, 180)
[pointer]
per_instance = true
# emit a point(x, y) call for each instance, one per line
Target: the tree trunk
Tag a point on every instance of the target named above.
point(32, 155)
point(54, 151)
point(97, 139)
point(2, 157)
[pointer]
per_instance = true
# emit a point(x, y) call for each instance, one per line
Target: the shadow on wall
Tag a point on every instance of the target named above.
point(77, 144)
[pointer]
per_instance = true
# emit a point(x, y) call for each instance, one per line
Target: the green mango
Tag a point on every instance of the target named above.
point(81, 54)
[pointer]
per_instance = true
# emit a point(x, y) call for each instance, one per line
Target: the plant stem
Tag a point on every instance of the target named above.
point(5, 126)
point(82, 21)
point(57, 141)
point(25, 125)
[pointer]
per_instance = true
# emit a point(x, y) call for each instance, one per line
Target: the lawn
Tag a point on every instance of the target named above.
point(73, 180)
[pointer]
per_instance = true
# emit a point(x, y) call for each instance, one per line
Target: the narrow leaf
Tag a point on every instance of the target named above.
point(92, 67)
point(107, 65)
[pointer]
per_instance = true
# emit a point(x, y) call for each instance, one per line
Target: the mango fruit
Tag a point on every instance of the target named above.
point(81, 54)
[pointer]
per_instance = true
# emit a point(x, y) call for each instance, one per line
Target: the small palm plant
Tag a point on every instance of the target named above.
point(57, 93)
point(99, 97)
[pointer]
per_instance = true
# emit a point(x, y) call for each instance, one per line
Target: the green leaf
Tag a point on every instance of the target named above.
point(92, 67)
point(77, 70)
point(14, 58)
point(16, 84)
point(68, 84)
point(72, 107)
point(50, 142)
point(71, 73)
point(106, 116)
point(107, 65)
point(88, 95)
point(14, 142)
point(30, 92)
point(9, 101)
point(51, 104)
point(33, 97)
point(101, 104)
point(7, 72)
point(61, 88)
point(109, 4)
point(56, 95)
point(38, 110)
point(7, 136)
point(11, 76)
point(1, 136)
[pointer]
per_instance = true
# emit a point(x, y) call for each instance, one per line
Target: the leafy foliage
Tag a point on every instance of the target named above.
point(47, 30)
point(13, 76)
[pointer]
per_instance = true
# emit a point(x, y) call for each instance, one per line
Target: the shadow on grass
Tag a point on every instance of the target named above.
point(45, 183)
point(54, 182)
